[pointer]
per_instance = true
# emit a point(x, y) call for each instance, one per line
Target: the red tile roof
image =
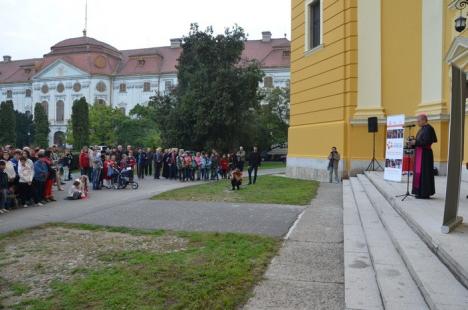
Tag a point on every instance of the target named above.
point(96, 57)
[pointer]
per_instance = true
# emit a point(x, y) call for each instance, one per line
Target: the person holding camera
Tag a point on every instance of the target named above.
point(333, 162)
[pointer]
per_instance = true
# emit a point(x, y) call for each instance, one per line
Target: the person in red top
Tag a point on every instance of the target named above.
point(224, 163)
point(84, 162)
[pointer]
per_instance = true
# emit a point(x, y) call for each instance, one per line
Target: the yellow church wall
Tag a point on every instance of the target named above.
point(401, 56)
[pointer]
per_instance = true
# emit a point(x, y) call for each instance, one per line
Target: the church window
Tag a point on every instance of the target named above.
point(123, 87)
point(146, 86)
point(101, 86)
point(60, 88)
point(77, 87)
point(45, 89)
point(313, 24)
point(268, 82)
point(60, 111)
point(45, 106)
point(9, 94)
point(28, 93)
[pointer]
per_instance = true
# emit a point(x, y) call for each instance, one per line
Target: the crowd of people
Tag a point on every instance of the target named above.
point(29, 177)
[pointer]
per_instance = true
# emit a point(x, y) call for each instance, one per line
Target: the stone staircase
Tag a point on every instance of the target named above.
point(387, 265)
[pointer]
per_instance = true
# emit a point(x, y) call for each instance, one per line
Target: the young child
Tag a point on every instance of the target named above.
point(84, 181)
point(74, 193)
point(236, 179)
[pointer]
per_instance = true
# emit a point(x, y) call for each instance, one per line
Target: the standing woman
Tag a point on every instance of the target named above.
point(26, 174)
point(50, 180)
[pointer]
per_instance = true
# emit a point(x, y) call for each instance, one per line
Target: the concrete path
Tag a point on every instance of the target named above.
point(308, 273)
point(132, 208)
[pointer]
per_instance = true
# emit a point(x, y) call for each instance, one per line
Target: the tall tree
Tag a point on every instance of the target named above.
point(80, 123)
point(216, 94)
point(7, 123)
point(41, 126)
point(24, 129)
point(104, 122)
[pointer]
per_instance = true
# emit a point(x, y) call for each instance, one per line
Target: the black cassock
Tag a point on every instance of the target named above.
point(423, 177)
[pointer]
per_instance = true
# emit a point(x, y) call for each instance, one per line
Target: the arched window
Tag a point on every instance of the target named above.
point(59, 138)
point(268, 82)
point(101, 86)
point(9, 94)
point(146, 86)
point(28, 93)
point(122, 109)
point(101, 101)
point(60, 111)
point(77, 87)
point(45, 106)
point(123, 88)
point(60, 88)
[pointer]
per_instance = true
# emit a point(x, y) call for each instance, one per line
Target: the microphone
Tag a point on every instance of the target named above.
point(410, 126)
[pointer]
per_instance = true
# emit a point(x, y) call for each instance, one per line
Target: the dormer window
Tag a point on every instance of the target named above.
point(141, 62)
point(286, 53)
point(27, 70)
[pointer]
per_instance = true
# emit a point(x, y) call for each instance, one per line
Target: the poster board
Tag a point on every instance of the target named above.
point(394, 148)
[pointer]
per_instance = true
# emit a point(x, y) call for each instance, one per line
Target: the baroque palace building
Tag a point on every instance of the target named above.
point(354, 59)
point(85, 67)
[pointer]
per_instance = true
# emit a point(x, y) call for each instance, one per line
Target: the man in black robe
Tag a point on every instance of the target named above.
point(423, 177)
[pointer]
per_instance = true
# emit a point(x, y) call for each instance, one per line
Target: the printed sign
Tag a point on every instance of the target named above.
point(394, 148)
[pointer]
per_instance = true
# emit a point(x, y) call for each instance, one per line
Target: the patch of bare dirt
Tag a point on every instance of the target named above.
point(31, 261)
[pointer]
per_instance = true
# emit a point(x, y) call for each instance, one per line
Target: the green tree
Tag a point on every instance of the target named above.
point(80, 123)
point(41, 126)
point(7, 123)
point(24, 129)
point(216, 94)
point(104, 122)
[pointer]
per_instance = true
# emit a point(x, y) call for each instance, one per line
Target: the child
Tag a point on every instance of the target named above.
point(236, 179)
point(84, 181)
point(74, 193)
point(224, 165)
point(3, 187)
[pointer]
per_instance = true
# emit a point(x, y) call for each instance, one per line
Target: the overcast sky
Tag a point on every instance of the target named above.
point(28, 28)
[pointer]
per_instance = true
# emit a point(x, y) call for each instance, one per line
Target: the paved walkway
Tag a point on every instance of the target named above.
point(132, 208)
point(308, 273)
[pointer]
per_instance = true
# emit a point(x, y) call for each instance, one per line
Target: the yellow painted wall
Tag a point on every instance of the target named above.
point(323, 83)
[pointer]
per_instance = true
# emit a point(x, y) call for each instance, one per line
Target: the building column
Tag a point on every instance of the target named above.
point(369, 97)
point(432, 101)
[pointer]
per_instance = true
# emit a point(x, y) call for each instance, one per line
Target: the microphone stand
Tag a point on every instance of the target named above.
point(407, 194)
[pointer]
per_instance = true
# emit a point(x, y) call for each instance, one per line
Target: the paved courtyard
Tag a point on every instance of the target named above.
point(133, 208)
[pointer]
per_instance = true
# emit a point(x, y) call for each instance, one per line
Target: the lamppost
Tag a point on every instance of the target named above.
point(460, 22)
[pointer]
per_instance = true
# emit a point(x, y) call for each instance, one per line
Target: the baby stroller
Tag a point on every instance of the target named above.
point(124, 178)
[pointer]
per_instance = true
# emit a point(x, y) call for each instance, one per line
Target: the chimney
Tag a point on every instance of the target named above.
point(266, 36)
point(7, 58)
point(176, 43)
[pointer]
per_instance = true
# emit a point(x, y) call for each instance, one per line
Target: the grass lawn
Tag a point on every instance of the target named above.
point(268, 189)
point(272, 165)
point(117, 268)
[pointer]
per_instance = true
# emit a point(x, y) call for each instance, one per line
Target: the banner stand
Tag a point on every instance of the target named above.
point(394, 148)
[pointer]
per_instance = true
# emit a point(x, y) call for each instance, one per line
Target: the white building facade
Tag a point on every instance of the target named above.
point(85, 67)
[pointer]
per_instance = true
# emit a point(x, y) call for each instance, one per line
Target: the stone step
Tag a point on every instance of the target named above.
point(361, 289)
point(396, 286)
point(440, 289)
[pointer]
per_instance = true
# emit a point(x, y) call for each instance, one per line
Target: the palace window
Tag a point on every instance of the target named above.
point(168, 85)
point(146, 86)
point(45, 89)
point(45, 106)
point(101, 87)
point(60, 111)
point(313, 31)
point(123, 87)
point(122, 110)
point(101, 102)
point(77, 87)
point(9, 94)
point(28, 93)
point(60, 88)
point(268, 82)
